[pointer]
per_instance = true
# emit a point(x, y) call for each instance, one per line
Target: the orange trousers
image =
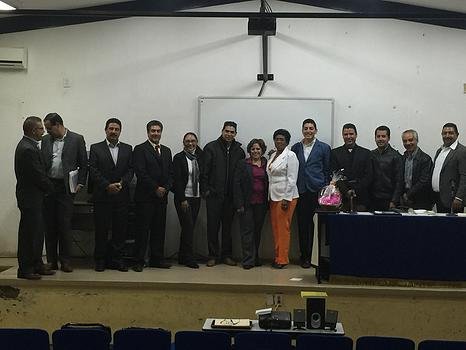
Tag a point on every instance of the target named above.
point(281, 228)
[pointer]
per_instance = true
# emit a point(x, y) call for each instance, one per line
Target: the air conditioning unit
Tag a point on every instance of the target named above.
point(13, 58)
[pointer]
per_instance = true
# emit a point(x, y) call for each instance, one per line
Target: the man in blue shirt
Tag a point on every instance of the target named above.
point(314, 173)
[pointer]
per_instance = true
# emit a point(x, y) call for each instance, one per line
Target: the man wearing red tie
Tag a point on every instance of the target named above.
point(154, 171)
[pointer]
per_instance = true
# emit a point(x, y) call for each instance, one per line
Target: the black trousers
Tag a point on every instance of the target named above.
point(440, 207)
point(58, 213)
point(187, 220)
point(380, 204)
point(220, 211)
point(250, 223)
point(30, 240)
point(306, 207)
point(150, 230)
point(110, 215)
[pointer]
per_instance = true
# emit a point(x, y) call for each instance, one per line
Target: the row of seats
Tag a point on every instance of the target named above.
point(158, 339)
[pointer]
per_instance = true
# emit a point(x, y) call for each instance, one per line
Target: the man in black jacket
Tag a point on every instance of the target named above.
point(415, 189)
point(387, 172)
point(111, 172)
point(31, 186)
point(219, 162)
point(356, 164)
point(153, 167)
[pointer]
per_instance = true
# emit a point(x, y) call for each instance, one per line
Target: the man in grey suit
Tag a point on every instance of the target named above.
point(31, 186)
point(449, 174)
point(64, 151)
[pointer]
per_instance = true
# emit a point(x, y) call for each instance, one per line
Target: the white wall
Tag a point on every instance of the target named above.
point(402, 74)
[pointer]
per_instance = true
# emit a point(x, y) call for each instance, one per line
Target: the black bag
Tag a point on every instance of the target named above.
point(96, 326)
point(275, 320)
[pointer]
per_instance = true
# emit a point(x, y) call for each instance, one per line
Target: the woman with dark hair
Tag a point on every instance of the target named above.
point(187, 198)
point(282, 169)
point(250, 200)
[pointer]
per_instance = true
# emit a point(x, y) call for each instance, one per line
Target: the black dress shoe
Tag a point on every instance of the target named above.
point(192, 264)
point(305, 264)
point(66, 267)
point(229, 261)
point(258, 262)
point(99, 266)
point(29, 276)
point(160, 265)
point(248, 267)
point(211, 262)
point(117, 265)
point(138, 267)
point(53, 265)
point(44, 270)
point(278, 266)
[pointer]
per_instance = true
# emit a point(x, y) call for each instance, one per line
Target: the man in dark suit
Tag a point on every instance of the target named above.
point(64, 151)
point(314, 173)
point(111, 172)
point(356, 164)
point(154, 171)
point(449, 174)
point(416, 169)
point(31, 187)
point(220, 158)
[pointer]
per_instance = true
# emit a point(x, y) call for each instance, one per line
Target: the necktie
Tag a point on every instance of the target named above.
point(157, 149)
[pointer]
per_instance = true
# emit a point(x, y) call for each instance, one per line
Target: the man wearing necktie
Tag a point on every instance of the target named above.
point(449, 174)
point(110, 172)
point(64, 151)
point(154, 171)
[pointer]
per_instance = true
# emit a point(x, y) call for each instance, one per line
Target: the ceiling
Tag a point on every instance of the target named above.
point(36, 14)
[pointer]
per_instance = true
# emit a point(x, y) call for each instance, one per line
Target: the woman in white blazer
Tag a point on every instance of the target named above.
point(282, 169)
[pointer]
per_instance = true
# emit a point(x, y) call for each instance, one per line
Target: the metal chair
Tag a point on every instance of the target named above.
point(141, 339)
point(323, 342)
point(24, 339)
point(262, 341)
point(384, 343)
point(199, 340)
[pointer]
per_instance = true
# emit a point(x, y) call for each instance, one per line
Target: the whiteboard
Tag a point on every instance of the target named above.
point(259, 117)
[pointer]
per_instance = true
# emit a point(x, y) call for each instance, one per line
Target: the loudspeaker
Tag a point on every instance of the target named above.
point(299, 318)
point(331, 319)
point(262, 26)
point(315, 313)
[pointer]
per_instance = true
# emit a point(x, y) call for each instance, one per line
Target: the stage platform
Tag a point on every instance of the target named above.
point(181, 298)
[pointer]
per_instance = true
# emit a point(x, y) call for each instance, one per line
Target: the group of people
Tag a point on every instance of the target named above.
point(50, 169)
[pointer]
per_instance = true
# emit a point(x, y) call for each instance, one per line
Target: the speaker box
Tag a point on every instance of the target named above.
point(315, 313)
point(331, 319)
point(299, 318)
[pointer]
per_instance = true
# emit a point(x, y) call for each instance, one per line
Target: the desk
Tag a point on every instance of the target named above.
point(404, 247)
point(294, 333)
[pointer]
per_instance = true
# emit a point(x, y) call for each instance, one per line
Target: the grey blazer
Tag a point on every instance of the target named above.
point(453, 173)
point(74, 156)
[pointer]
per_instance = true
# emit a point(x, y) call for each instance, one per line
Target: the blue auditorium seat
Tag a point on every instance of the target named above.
point(323, 342)
point(384, 343)
point(199, 340)
point(441, 345)
point(262, 341)
point(141, 339)
point(80, 339)
point(24, 339)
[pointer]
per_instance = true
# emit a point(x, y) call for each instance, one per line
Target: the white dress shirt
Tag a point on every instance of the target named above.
point(113, 150)
point(439, 165)
point(307, 149)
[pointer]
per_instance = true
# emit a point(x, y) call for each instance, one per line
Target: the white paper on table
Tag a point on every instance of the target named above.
point(73, 180)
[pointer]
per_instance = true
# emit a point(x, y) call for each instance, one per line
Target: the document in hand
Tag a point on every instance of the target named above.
point(73, 180)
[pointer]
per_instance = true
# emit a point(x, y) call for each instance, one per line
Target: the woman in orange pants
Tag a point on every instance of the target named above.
point(282, 169)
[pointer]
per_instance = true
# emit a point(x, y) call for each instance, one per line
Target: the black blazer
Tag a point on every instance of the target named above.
point(180, 172)
point(152, 170)
point(103, 171)
point(359, 172)
point(420, 192)
point(32, 181)
point(74, 156)
point(242, 183)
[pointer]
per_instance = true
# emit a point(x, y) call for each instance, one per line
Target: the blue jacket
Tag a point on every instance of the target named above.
point(315, 172)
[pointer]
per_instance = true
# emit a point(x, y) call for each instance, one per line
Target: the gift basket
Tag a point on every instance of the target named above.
point(330, 197)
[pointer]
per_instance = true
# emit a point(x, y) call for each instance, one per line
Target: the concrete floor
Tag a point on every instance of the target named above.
point(181, 299)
